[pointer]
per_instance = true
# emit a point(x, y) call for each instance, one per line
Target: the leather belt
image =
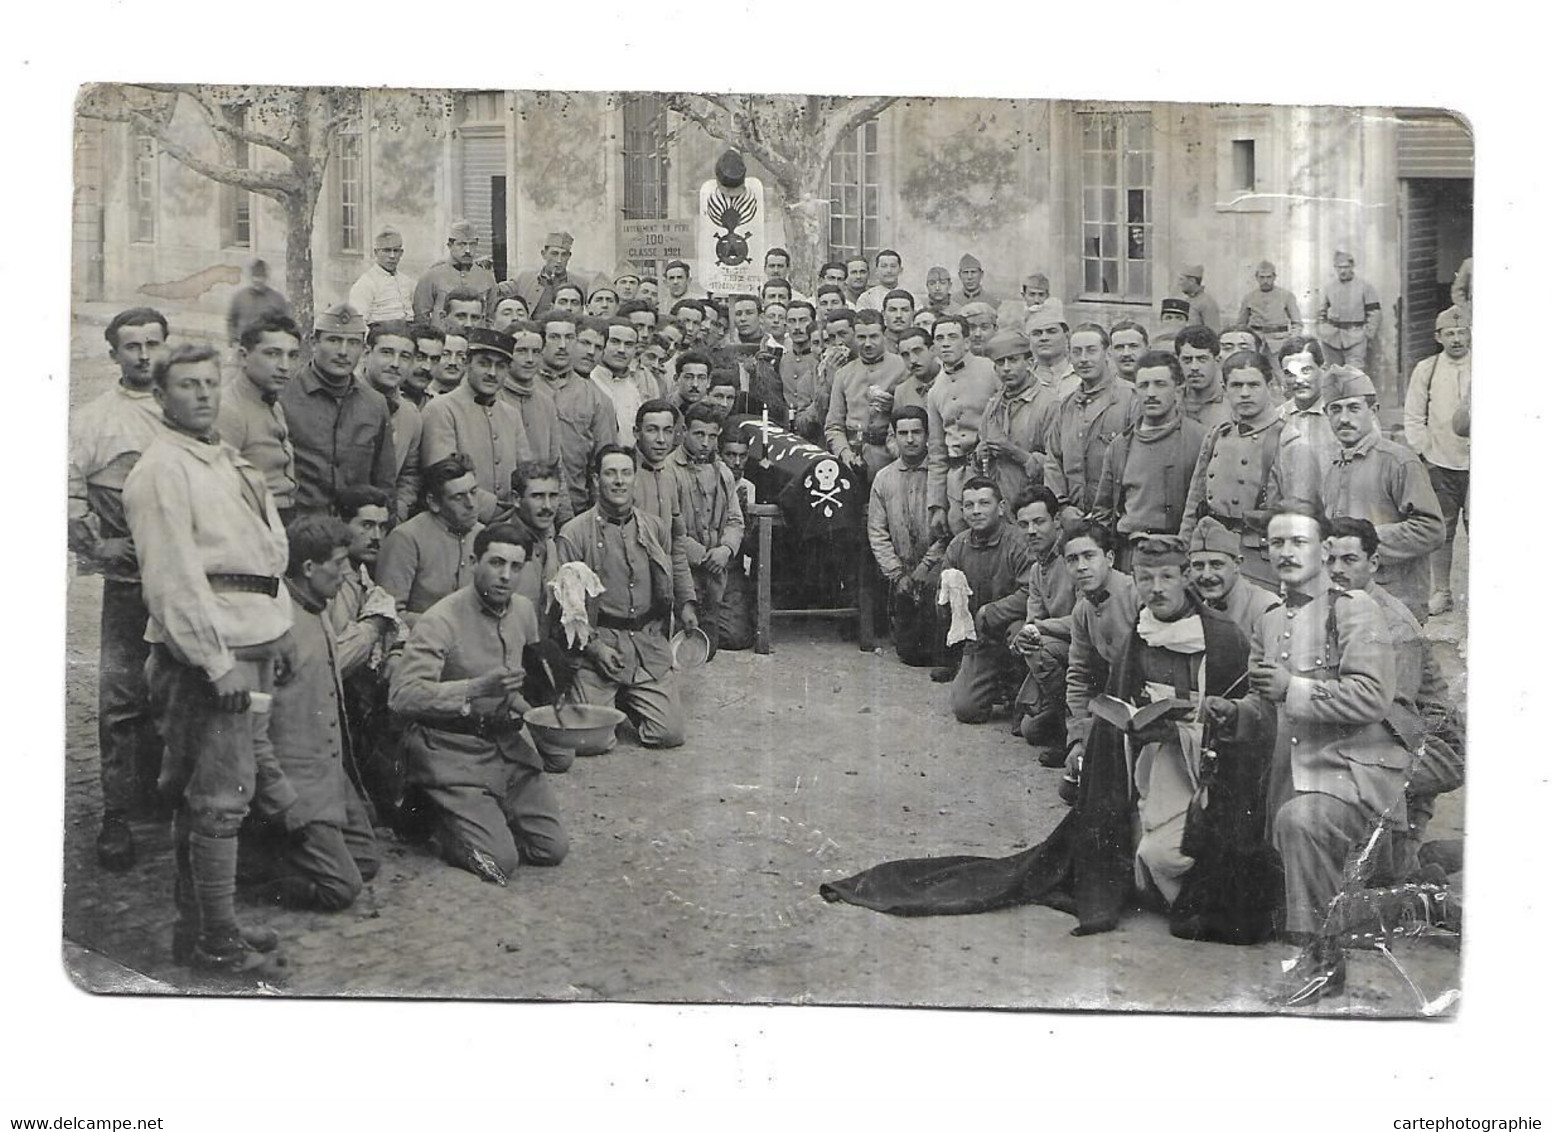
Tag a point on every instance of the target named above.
point(473, 725)
point(630, 624)
point(1346, 325)
point(244, 584)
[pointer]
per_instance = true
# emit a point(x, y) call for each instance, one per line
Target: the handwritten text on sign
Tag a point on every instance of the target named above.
point(646, 240)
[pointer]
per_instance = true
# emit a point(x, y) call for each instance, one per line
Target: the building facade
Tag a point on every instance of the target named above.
point(1109, 200)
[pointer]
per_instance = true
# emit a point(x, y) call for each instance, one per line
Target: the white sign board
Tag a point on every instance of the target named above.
point(730, 237)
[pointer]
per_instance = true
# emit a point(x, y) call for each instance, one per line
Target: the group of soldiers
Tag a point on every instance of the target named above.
point(334, 587)
point(1085, 500)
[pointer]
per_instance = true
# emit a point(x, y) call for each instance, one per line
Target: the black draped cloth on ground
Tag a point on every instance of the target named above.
point(1085, 866)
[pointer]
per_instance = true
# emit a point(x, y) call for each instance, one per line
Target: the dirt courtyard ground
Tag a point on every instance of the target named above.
point(694, 873)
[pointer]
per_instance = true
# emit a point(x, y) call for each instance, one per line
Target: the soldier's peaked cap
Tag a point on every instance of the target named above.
point(486, 341)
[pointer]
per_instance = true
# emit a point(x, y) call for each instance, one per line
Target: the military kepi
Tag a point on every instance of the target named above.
point(1344, 382)
point(1210, 535)
point(486, 341)
point(341, 318)
point(1175, 306)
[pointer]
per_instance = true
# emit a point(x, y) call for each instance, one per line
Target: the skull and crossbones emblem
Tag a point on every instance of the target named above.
point(828, 485)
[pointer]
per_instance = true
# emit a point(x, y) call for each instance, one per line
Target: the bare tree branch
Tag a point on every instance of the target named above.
point(857, 112)
point(220, 123)
point(274, 185)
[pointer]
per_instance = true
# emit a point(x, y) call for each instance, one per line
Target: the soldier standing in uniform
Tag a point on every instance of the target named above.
point(1204, 308)
point(1197, 349)
point(1014, 425)
point(960, 393)
point(971, 290)
point(524, 388)
point(1231, 481)
point(1147, 470)
point(381, 293)
point(474, 422)
point(1174, 316)
point(1307, 444)
point(940, 292)
point(390, 355)
point(1347, 316)
point(107, 437)
point(252, 420)
point(212, 553)
point(1379, 480)
point(1439, 388)
point(458, 272)
point(1271, 311)
point(1086, 422)
point(587, 418)
point(341, 430)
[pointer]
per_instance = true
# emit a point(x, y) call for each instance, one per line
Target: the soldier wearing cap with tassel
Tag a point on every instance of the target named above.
point(1216, 561)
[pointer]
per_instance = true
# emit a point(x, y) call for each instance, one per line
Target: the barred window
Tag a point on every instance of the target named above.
point(646, 157)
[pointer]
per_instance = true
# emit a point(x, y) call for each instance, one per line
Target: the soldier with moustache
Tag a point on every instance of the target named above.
point(1231, 480)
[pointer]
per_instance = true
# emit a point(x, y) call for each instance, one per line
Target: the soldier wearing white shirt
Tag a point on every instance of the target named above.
point(382, 294)
point(1439, 388)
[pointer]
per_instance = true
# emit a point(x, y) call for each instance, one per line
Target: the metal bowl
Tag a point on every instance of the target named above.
point(587, 729)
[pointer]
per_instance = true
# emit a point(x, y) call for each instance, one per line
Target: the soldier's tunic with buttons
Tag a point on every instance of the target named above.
point(1379, 480)
point(1343, 743)
point(1347, 320)
point(423, 560)
point(1230, 484)
point(1245, 605)
point(1272, 314)
point(1021, 419)
point(958, 394)
point(1304, 450)
point(1079, 437)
